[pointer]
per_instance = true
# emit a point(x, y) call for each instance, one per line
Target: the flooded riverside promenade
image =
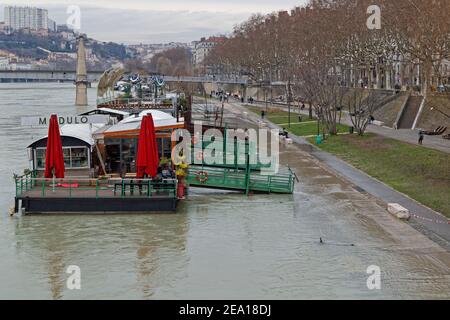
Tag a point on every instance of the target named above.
point(218, 245)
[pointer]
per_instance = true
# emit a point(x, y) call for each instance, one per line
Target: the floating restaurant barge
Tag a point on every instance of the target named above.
point(100, 168)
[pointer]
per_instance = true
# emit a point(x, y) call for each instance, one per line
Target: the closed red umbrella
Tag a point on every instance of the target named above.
point(147, 156)
point(54, 158)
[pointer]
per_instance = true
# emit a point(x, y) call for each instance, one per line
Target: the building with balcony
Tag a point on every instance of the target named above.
point(202, 48)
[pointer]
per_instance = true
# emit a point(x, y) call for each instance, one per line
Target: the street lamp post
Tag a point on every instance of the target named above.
point(265, 99)
point(318, 124)
point(289, 98)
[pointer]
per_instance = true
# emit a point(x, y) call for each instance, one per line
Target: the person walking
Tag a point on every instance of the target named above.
point(263, 114)
point(421, 137)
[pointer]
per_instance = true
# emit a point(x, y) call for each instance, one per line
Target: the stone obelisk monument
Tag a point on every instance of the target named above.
point(82, 81)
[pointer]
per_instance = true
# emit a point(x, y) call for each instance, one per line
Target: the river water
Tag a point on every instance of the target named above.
point(217, 245)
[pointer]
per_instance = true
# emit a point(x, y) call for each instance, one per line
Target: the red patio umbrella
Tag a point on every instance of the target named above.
point(54, 158)
point(147, 156)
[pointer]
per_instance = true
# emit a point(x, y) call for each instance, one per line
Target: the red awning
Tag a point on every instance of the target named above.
point(54, 158)
point(147, 154)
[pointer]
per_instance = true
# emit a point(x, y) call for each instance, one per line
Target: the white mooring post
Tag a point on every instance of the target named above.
point(19, 205)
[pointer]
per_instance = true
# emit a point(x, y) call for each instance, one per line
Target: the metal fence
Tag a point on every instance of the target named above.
point(31, 186)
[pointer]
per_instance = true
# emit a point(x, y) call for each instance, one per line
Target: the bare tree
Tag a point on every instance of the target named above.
point(361, 105)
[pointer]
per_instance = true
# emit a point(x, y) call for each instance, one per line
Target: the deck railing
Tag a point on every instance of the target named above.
point(232, 155)
point(29, 185)
point(25, 182)
point(159, 103)
point(244, 180)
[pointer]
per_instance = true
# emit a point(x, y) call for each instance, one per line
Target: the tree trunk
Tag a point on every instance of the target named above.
point(426, 71)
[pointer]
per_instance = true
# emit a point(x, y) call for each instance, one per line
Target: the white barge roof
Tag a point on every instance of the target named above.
point(83, 132)
point(161, 119)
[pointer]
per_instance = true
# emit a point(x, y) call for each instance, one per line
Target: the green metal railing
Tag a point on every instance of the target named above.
point(25, 182)
point(29, 185)
point(243, 180)
point(232, 155)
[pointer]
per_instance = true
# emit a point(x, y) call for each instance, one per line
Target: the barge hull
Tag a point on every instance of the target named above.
point(95, 206)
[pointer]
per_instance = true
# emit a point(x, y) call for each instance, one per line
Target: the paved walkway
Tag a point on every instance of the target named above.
point(425, 220)
point(428, 222)
point(405, 135)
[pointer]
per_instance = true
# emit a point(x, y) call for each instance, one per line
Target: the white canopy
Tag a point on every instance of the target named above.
point(83, 132)
point(160, 119)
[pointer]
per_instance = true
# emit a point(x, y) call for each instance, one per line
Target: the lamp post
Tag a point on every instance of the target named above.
point(318, 122)
point(443, 113)
point(265, 99)
point(318, 127)
point(319, 114)
point(289, 99)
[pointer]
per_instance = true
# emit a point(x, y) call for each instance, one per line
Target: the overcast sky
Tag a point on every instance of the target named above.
point(152, 21)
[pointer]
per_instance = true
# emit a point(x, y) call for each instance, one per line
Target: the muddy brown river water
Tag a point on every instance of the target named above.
point(218, 245)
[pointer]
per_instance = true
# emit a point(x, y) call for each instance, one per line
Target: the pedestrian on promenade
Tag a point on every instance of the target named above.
point(263, 114)
point(421, 137)
point(284, 133)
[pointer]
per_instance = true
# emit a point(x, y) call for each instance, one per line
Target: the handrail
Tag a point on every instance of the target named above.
point(76, 179)
point(158, 101)
point(29, 182)
point(243, 179)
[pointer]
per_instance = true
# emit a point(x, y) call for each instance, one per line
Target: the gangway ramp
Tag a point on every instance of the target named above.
point(241, 179)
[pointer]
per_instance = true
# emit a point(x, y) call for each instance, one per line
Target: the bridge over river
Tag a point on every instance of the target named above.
point(94, 76)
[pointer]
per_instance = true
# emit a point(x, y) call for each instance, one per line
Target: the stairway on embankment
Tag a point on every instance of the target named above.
point(410, 112)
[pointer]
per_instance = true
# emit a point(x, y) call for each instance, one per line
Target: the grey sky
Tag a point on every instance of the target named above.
point(150, 21)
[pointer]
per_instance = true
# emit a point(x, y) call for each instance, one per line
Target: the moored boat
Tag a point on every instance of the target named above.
point(100, 168)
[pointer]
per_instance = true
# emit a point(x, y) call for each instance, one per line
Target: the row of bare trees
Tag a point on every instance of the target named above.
point(174, 62)
point(171, 62)
point(326, 47)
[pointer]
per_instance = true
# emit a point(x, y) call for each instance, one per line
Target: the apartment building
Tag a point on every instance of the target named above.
point(17, 18)
point(203, 47)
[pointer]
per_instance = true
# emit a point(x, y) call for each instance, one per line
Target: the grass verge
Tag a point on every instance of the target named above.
point(308, 127)
point(421, 173)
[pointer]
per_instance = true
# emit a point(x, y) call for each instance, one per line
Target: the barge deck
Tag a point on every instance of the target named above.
point(93, 196)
